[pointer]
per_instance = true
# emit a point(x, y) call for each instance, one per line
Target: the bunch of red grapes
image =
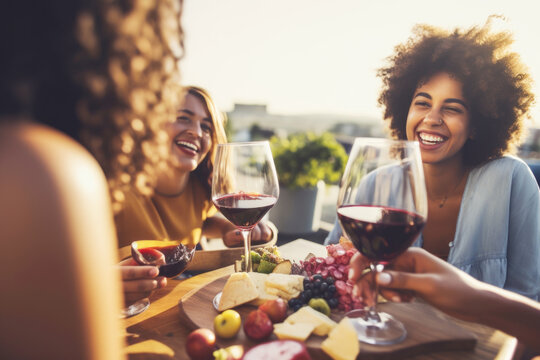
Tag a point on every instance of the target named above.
point(336, 265)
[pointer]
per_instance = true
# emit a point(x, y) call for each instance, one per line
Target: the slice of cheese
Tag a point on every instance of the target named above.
point(342, 342)
point(298, 331)
point(259, 280)
point(239, 289)
point(285, 282)
point(323, 324)
point(283, 294)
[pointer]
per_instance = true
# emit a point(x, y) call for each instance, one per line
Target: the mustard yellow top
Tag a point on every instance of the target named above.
point(164, 217)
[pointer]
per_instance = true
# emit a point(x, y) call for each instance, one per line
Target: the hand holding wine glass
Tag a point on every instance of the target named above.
point(244, 186)
point(171, 258)
point(382, 208)
point(139, 282)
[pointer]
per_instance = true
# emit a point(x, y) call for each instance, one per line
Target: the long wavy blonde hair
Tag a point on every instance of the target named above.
point(206, 167)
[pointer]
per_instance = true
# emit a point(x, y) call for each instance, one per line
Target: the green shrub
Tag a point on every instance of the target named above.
point(303, 159)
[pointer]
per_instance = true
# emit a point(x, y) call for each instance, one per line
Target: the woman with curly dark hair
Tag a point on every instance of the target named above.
point(464, 97)
point(181, 205)
point(86, 88)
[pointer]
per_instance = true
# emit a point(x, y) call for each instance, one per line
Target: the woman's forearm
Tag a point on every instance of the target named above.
point(512, 313)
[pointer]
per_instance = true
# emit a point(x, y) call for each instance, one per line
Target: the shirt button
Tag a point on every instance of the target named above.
point(451, 244)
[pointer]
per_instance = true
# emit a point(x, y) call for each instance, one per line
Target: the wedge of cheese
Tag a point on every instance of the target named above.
point(284, 285)
point(285, 282)
point(342, 343)
point(323, 324)
point(259, 280)
point(239, 289)
point(298, 331)
point(283, 294)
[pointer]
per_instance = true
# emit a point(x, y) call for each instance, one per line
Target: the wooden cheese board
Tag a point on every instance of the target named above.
point(427, 329)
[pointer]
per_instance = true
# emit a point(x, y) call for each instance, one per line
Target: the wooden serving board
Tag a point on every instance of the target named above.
point(427, 329)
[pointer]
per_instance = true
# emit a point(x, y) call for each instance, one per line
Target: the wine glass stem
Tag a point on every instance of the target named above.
point(373, 314)
point(246, 234)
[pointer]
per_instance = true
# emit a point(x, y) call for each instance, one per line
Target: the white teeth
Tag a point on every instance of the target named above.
point(430, 138)
point(187, 144)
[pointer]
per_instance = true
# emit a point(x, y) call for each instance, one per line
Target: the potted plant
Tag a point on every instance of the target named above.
point(305, 162)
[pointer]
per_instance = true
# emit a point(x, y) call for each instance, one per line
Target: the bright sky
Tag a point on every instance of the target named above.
point(321, 56)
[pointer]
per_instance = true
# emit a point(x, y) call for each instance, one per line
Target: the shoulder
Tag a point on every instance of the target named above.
point(510, 161)
point(55, 202)
point(507, 173)
point(51, 180)
point(135, 201)
point(506, 165)
point(31, 152)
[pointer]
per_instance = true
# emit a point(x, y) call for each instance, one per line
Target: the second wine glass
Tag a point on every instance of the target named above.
point(244, 186)
point(382, 208)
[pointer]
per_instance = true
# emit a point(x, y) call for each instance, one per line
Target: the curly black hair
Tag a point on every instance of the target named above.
point(104, 72)
point(496, 84)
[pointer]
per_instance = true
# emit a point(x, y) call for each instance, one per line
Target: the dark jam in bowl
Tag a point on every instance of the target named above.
point(380, 233)
point(177, 257)
point(244, 210)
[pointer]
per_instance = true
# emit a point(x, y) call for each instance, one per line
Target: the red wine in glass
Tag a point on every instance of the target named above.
point(244, 186)
point(380, 233)
point(245, 210)
point(172, 260)
point(171, 257)
point(382, 208)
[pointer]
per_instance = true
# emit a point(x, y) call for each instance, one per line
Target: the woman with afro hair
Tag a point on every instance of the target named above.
point(464, 97)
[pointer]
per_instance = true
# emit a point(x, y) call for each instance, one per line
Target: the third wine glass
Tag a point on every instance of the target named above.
point(382, 207)
point(244, 186)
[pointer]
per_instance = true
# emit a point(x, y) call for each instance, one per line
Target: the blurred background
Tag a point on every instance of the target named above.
point(284, 67)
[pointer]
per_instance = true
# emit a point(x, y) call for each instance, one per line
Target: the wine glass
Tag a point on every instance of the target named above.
point(382, 208)
point(244, 186)
point(171, 257)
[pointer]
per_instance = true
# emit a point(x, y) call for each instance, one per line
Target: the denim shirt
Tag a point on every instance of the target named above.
point(497, 237)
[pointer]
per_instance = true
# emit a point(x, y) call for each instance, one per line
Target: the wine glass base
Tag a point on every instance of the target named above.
point(135, 309)
point(388, 331)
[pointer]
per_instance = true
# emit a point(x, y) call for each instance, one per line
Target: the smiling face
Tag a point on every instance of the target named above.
point(191, 134)
point(439, 119)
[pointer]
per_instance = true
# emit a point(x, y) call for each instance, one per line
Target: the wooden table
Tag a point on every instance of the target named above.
point(159, 332)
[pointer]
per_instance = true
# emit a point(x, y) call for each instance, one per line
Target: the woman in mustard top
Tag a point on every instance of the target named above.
point(181, 206)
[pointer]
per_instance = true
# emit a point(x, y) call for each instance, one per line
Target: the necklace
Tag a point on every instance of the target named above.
point(443, 201)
